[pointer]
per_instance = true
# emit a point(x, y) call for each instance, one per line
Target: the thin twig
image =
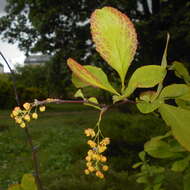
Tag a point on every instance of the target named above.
point(29, 138)
point(60, 101)
point(13, 79)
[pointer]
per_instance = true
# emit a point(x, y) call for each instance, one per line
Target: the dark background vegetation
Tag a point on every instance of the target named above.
point(61, 28)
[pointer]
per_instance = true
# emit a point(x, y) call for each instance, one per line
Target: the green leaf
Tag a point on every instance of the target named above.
point(164, 65)
point(15, 187)
point(178, 119)
point(164, 58)
point(115, 38)
point(146, 107)
point(28, 182)
point(142, 179)
point(180, 165)
point(136, 165)
point(142, 155)
point(145, 77)
point(79, 94)
point(93, 100)
point(77, 82)
point(180, 71)
point(174, 91)
point(182, 103)
point(159, 149)
point(186, 97)
point(91, 75)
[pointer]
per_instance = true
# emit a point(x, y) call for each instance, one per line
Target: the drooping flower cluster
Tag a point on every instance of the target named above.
point(22, 116)
point(95, 159)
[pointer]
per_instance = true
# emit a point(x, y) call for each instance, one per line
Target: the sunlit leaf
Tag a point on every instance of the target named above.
point(28, 182)
point(79, 94)
point(148, 107)
point(145, 77)
point(93, 100)
point(175, 91)
point(91, 75)
point(115, 38)
point(178, 119)
point(77, 82)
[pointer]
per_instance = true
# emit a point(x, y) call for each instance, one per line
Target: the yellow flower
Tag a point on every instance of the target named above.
point(17, 108)
point(91, 143)
point(15, 113)
point(89, 132)
point(105, 141)
point(18, 120)
point(88, 164)
point(23, 125)
point(42, 108)
point(105, 168)
point(34, 115)
point(26, 106)
point(96, 157)
point(88, 158)
point(90, 152)
point(101, 149)
point(86, 171)
point(27, 117)
point(91, 169)
point(103, 159)
point(100, 174)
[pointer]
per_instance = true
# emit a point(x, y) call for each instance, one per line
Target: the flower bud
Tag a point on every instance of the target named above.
point(35, 116)
point(26, 106)
point(42, 108)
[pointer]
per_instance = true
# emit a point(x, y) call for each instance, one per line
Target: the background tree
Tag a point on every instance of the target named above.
point(61, 28)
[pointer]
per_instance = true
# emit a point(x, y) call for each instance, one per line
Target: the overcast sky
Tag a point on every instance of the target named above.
point(10, 51)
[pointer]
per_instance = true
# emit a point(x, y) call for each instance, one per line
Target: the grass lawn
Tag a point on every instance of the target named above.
point(59, 136)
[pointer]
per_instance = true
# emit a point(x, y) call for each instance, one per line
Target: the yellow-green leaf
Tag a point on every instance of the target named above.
point(164, 57)
point(15, 187)
point(77, 82)
point(182, 103)
point(145, 77)
point(180, 71)
point(115, 38)
point(79, 94)
point(28, 182)
point(159, 149)
point(93, 100)
point(180, 165)
point(175, 91)
point(91, 75)
point(179, 120)
point(147, 107)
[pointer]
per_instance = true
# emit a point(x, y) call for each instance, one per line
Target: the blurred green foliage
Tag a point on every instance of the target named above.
point(59, 137)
